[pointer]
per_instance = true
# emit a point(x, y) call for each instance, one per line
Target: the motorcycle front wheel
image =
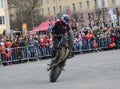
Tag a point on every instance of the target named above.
point(55, 73)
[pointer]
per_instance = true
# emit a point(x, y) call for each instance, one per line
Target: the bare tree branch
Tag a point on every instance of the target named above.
point(27, 12)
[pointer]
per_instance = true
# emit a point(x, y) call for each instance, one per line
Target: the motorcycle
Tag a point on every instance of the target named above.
point(64, 47)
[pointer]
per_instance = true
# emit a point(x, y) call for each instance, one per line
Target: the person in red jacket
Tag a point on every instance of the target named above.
point(43, 45)
point(47, 45)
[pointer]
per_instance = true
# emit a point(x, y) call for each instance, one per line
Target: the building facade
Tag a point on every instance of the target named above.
point(82, 12)
point(4, 16)
point(85, 12)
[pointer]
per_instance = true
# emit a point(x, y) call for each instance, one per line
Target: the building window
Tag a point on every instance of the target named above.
point(54, 10)
point(53, 1)
point(60, 8)
point(103, 3)
point(47, 1)
point(2, 20)
point(48, 10)
point(73, 5)
point(89, 17)
point(41, 2)
point(80, 5)
point(82, 25)
point(81, 16)
point(112, 1)
point(88, 4)
point(42, 11)
point(95, 3)
point(1, 3)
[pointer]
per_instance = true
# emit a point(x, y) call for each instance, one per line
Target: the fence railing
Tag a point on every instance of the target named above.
point(20, 54)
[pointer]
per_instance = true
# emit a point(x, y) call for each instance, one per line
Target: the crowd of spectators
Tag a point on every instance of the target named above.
point(89, 38)
point(26, 46)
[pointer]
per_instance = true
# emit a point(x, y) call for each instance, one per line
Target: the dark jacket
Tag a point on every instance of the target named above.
point(60, 28)
point(21, 43)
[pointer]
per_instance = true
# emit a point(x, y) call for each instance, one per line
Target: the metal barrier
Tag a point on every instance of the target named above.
point(23, 53)
point(92, 44)
point(37, 53)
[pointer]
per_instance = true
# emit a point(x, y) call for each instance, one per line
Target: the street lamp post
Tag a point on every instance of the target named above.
point(56, 10)
point(33, 24)
point(117, 11)
point(19, 15)
point(103, 10)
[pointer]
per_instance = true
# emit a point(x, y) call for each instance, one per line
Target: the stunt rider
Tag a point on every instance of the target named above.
point(60, 27)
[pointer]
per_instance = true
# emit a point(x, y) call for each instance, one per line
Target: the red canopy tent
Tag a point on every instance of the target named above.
point(43, 26)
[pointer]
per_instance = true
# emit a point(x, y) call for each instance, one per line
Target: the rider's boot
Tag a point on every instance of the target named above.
point(49, 66)
point(63, 65)
point(51, 62)
point(52, 58)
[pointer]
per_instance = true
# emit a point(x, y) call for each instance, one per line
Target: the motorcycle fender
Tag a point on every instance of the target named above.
point(71, 38)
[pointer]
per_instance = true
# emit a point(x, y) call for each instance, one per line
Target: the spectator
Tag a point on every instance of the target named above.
point(32, 44)
point(51, 45)
point(14, 47)
point(47, 45)
point(43, 45)
point(27, 48)
point(49, 29)
point(80, 44)
point(2, 49)
point(37, 48)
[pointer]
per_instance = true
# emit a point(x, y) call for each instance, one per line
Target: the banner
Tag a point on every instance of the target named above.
point(24, 26)
point(118, 2)
point(1, 31)
point(111, 12)
point(106, 3)
point(99, 4)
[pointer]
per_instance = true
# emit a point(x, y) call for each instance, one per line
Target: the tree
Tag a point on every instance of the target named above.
point(26, 11)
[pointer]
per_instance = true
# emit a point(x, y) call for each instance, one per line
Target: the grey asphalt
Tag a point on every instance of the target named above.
point(100, 70)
